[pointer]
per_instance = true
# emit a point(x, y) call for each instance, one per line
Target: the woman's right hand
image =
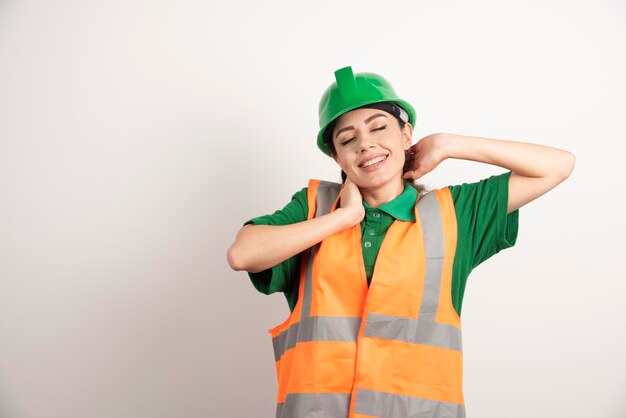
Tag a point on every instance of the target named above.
point(259, 247)
point(351, 200)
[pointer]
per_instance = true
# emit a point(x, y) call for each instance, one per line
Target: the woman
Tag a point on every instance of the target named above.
point(374, 270)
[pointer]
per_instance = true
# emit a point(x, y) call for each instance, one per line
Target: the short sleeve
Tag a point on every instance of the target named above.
point(283, 276)
point(483, 222)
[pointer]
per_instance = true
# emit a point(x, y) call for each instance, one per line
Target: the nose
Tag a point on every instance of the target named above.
point(366, 142)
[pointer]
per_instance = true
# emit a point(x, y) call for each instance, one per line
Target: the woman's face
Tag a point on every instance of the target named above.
point(370, 146)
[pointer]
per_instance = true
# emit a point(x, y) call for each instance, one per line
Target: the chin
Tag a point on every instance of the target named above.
point(376, 181)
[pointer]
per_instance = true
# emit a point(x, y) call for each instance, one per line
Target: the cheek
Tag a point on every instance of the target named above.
point(343, 157)
point(400, 151)
point(340, 160)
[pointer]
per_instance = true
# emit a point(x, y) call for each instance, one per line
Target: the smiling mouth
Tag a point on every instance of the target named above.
point(373, 161)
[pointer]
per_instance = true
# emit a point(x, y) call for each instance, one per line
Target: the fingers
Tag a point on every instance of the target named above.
point(413, 174)
point(350, 183)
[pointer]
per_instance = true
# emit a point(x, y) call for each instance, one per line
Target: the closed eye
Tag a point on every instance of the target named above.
point(347, 141)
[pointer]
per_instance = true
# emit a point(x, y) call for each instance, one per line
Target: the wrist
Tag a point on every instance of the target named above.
point(449, 145)
point(350, 216)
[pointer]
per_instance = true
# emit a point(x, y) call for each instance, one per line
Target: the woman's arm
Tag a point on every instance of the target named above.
point(259, 247)
point(536, 169)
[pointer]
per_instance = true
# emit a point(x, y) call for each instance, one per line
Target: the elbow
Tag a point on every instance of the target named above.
point(569, 160)
point(241, 255)
point(562, 165)
point(239, 261)
point(233, 255)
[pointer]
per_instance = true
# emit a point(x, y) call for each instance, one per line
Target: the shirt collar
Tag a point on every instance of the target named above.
point(402, 207)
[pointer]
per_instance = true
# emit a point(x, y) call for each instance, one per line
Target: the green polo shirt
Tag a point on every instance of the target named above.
point(484, 229)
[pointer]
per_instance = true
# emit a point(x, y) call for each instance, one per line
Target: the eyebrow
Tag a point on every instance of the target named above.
point(368, 120)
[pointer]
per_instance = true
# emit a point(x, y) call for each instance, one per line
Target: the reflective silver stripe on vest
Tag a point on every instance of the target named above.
point(314, 405)
point(417, 331)
point(317, 328)
point(423, 330)
point(383, 404)
point(326, 194)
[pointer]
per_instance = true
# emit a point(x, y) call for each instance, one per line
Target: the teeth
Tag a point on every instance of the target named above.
point(373, 161)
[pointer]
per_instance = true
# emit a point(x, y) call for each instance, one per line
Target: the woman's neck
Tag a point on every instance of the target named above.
point(378, 196)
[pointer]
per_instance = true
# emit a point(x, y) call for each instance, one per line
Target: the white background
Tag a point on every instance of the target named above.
point(136, 138)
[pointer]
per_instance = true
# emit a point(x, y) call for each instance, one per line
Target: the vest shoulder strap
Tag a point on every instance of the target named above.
point(321, 197)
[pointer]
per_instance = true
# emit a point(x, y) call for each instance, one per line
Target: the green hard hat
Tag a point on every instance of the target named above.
point(351, 91)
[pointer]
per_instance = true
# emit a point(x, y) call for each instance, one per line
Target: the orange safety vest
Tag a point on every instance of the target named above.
point(390, 350)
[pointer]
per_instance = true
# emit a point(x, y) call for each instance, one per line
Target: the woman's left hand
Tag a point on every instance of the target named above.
point(425, 156)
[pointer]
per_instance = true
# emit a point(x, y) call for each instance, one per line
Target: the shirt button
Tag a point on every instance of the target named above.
point(372, 232)
point(376, 215)
point(367, 244)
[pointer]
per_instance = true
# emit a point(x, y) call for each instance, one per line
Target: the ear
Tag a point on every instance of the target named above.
point(407, 135)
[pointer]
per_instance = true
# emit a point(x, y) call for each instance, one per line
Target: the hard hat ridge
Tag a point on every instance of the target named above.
point(346, 83)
